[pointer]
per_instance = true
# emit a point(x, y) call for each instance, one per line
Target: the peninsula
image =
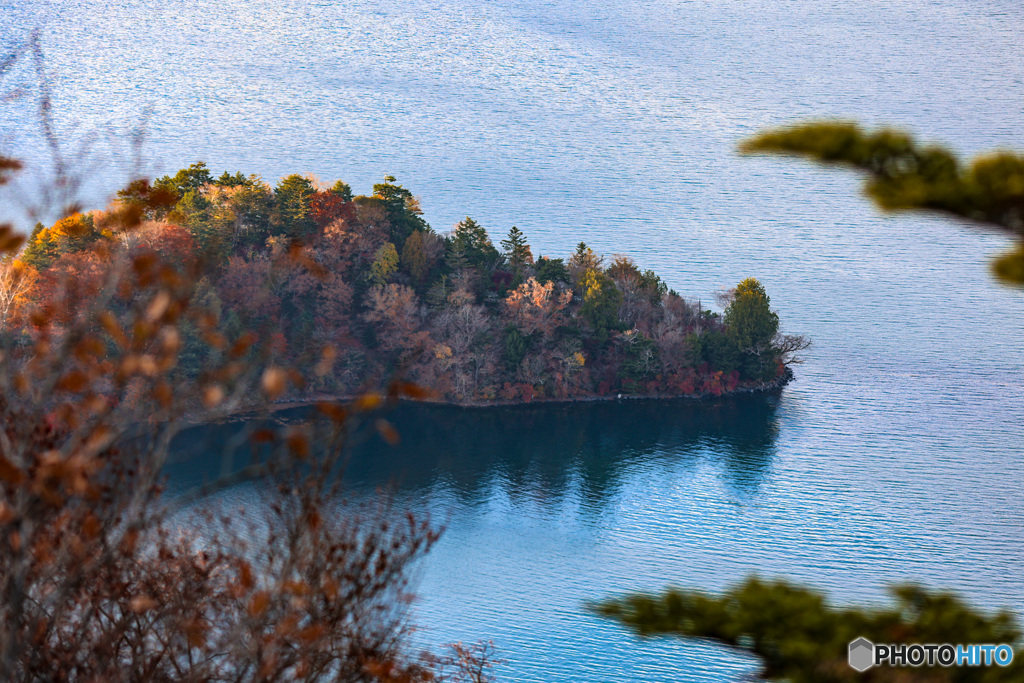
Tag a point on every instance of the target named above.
point(309, 266)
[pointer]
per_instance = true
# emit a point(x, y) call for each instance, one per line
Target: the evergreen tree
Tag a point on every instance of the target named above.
point(601, 301)
point(903, 176)
point(403, 210)
point(752, 324)
point(437, 295)
point(582, 261)
point(517, 251)
point(800, 638)
point(471, 238)
point(186, 179)
point(551, 270)
point(291, 206)
point(343, 190)
point(196, 214)
point(228, 180)
point(455, 257)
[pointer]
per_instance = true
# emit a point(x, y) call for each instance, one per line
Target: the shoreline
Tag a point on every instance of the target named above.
point(763, 387)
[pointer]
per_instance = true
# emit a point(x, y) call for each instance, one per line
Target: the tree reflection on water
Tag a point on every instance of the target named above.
point(541, 449)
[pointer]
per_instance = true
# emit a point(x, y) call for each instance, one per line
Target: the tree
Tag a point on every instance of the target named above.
point(582, 260)
point(470, 239)
point(905, 176)
point(800, 638)
point(343, 190)
point(535, 308)
point(195, 177)
point(551, 270)
point(414, 258)
point(385, 264)
point(601, 300)
point(228, 180)
point(641, 361)
point(291, 206)
point(403, 209)
point(147, 201)
point(394, 310)
point(99, 584)
point(750, 321)
point(237, 214)
point(211, 225)
point(16, 280)
point(327, 207)
point(68, 235)
point(517, 251)
point(246, 287)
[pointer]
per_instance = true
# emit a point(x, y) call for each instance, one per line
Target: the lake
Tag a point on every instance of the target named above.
point(896, 455)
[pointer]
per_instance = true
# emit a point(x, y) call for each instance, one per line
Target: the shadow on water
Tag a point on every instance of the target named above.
point(540, 448)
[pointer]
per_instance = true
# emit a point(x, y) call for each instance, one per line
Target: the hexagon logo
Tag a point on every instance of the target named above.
point(862, 654)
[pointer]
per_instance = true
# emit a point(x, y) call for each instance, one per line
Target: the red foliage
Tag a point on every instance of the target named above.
point(246, 287)
point(713, 383)
point(70, 285)
point(334, 303)
point(732, 380)
point(278, 344)
point(172, 243)
point(327, 207)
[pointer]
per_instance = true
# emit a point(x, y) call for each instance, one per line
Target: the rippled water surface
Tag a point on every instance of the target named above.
point(897, 453)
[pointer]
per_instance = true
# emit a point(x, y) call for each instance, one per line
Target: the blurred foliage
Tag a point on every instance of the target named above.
point(905, 175)
point(800, 638)
point(101, 580)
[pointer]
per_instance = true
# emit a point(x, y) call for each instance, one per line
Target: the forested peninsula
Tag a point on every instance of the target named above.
point(360, 290)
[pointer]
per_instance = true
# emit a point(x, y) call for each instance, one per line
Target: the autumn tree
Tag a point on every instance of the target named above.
point(327, 207)
point(464, 328)
point(583, 259)
point(385, 264)
point(394, 310)
point(99, 580)
point(414, 258)
point(69, 234)
point(536, 309)
point(247, 287)
point(16, 281)
point(642, 292)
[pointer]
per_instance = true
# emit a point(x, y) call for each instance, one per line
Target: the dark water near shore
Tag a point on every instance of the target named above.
point(897, 453)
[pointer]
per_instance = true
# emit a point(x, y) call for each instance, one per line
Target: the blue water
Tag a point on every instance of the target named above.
point(897, 453)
